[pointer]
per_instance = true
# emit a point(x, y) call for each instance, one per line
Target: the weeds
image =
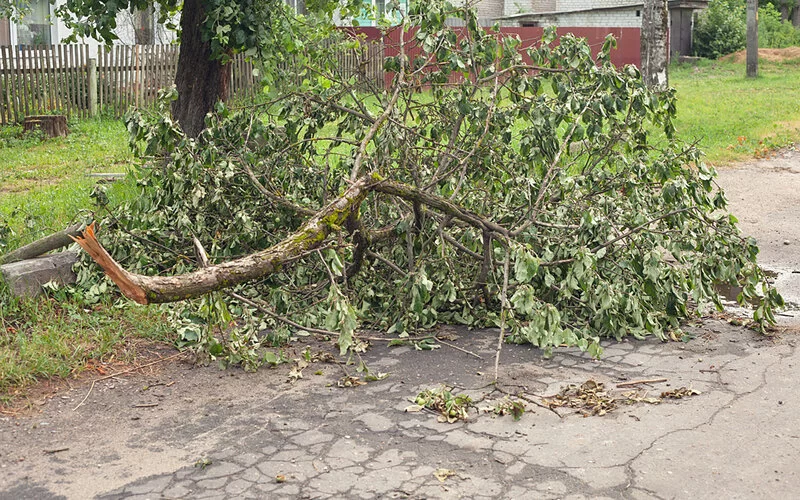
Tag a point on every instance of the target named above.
point(56, 335)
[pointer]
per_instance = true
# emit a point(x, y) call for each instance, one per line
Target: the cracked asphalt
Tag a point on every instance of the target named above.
point(182, 431)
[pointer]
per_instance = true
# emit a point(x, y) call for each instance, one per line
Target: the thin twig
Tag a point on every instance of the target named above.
point(57, 450)
point(645, 381)
point(448, 344)
point(387, 262)
point(130, 370)
point(503, 309)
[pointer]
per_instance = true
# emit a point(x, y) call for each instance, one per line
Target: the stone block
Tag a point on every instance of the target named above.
point(26, 277)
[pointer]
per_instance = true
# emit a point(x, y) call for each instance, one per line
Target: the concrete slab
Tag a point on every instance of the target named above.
point(25, 278)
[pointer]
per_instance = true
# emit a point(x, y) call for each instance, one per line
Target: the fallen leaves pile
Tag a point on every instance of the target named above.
point(592, 398)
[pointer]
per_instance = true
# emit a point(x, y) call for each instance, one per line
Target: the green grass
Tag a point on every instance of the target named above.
point(44, 186)
point(56, 336)
point(44, 183)
point(733, 117)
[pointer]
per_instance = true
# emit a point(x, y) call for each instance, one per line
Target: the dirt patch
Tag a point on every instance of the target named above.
point(138, 357)
point(771, 55)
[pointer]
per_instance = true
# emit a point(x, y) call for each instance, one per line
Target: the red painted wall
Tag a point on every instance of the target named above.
point(627, 51)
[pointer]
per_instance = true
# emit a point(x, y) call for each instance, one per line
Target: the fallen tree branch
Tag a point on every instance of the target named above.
point(159, 289)
point(443, 205)
point(43, 245)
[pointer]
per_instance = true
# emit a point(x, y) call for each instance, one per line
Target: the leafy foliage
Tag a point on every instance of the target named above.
point(774, 32)
point(550, 187)
point(721, 29)
point(265, 29)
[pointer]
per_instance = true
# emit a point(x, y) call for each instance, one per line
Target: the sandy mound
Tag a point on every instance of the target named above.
point(771, 55)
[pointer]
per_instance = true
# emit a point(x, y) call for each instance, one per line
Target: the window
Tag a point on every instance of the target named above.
point(34, 28)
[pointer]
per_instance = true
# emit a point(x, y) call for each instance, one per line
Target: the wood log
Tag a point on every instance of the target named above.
point(50, 125)
point(159, 289)
point(42, 246)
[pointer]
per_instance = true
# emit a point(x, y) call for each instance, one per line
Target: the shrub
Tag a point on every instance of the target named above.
point(720, 29)
point(774, 32)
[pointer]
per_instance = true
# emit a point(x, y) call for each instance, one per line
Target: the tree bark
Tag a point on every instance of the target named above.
point(340, 213)
point(752, 38)
point(159, 289)
point(654, 44)
point(50, 125)
point(42, 246)
point(201, 81)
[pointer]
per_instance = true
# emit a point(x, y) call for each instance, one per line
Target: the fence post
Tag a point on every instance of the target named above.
point(92, 87)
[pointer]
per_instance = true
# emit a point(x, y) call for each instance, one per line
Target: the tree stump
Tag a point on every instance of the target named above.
point(50, 125)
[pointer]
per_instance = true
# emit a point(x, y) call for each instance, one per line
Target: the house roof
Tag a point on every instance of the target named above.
point(673, 4)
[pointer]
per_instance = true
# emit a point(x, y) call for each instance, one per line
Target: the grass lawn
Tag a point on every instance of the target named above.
point(736, 118)
point(44, 185)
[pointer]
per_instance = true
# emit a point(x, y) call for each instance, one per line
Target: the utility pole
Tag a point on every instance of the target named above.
point(752, 38)
point(654, 49)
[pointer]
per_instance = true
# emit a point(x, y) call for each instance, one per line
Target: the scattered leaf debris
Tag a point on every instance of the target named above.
point(591, 398)
point(680, 393)
point(350, 381)
point(443, 474)
point(506, 406)
point(450, 407)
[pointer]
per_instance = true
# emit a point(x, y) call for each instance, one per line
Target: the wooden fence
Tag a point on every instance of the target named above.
point(64, 79)
point(40, 80)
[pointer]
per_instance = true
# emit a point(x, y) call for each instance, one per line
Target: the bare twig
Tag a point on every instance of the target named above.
point(130, 370)
point(387, 262)
point(55, 450)
point(644, 381)
point(453, 346)
point(503, 312)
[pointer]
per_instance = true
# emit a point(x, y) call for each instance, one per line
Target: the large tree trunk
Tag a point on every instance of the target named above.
point(654, 45)
point(200, 80)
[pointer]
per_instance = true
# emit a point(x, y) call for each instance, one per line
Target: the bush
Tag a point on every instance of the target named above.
point(773, 32)
point(720, 29)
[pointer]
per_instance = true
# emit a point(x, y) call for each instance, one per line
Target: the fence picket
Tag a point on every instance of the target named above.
point(5, 96)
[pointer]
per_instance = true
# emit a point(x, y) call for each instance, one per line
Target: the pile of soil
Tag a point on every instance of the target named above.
point(771, 55)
